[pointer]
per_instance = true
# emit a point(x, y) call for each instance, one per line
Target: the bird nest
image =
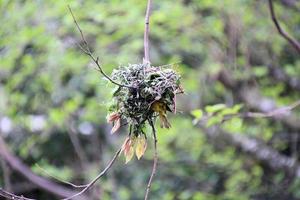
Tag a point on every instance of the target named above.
point(150, 91)
point(144, 93)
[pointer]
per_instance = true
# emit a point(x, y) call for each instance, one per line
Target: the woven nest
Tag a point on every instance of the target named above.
point(147, 85)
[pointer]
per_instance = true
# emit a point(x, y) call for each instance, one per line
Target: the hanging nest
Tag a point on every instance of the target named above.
point(150, 92)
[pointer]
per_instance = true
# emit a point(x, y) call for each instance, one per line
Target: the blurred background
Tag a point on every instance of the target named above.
point(53, 103)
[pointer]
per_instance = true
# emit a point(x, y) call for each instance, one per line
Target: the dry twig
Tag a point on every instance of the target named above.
point(11, 196)
point(88, 52)
point(88, 186)
point(59, 179)
point(285, 110)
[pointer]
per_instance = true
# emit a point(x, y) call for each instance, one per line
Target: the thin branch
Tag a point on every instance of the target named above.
point(59, 179)
point(146, 33)
point(291, 40)
point(278, 112)
point(252, 97)
point(88, 52)
point(155, 160)
point(285, 110)
point(16, 164)
point(9, 195)
point(88, 186)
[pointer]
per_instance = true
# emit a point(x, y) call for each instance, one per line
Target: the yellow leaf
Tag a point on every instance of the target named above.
point(140, 146)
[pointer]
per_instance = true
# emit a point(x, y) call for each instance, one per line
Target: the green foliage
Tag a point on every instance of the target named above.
point(217, 114)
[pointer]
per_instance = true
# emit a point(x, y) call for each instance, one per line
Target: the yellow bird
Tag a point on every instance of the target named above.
point(161, 109)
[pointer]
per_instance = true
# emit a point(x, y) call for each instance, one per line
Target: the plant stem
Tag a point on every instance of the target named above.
point(155, 160)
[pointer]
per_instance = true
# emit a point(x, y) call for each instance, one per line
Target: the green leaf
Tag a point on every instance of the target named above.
point(233, 125)
point(214, 108)
point(231, 111)
point(198, 114)
point(214, 120)
point(260, 71)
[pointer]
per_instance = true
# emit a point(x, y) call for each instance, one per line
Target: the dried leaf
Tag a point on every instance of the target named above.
point(125, 144)
point(129, 154)
point(116, 126)
point(112, 117)
point(128, 149)
point(140, 146)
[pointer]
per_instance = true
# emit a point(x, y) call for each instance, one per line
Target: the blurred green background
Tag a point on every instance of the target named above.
point(53, 103)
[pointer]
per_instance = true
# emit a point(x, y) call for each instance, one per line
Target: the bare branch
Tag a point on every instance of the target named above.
point(16, 164)
point(88, 52)
point(291, 40)
point(285, 110)
point(146, 33)
point(278, 112)
point(88, 186)
point(58, 179)
point(251, 96)
point(9, 195)
point(155, 160)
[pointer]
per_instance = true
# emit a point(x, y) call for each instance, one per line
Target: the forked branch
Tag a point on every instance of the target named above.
point(88, 186)
point(59, 179)
point(291, 40)
point(88, 52)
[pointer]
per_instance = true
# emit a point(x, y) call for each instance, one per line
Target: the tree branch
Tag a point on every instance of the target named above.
point(252, 97)
point(155, 160)
point(88, 186)
point(146, 33)
point(11, 196)
point(291, 40)
point(41, 182)
point(88, 52)
point(59, 179)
